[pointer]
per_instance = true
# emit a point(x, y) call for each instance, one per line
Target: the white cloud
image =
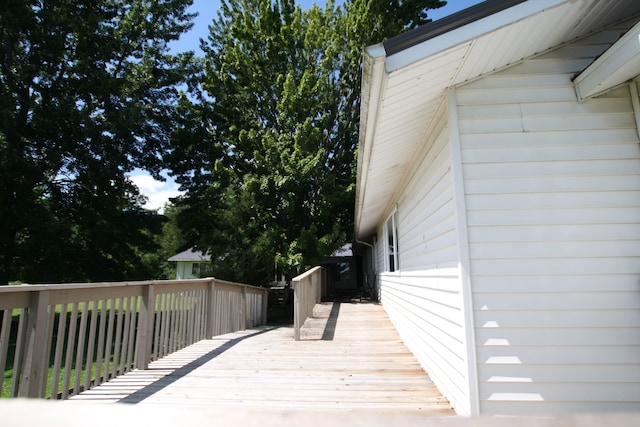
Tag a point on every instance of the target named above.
point(158, 193)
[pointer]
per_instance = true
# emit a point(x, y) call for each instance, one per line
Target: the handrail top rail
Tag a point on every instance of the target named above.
point(112, 327)
point(66, 286)
point(306, 273)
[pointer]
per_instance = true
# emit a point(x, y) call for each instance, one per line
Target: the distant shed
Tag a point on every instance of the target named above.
point(342, 269)
point(191, 264)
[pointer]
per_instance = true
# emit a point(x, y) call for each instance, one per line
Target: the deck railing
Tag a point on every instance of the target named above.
point(58, 340)
point(308, 290)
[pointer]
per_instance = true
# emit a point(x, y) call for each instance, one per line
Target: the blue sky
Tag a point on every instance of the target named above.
point(158, 193)
point(207, 10)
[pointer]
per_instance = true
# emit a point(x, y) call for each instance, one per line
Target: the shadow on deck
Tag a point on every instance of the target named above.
point(183, 371)
point(350, 358)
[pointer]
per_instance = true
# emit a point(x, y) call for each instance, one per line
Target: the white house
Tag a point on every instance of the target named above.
point(191, 264)
point(498, 199)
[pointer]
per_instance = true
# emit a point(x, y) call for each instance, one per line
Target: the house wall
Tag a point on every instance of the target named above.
point(423, 299)
point(184, 270)
point(552, 190)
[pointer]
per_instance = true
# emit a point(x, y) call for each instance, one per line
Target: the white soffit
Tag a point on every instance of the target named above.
point(618, 64)
point(401, 92)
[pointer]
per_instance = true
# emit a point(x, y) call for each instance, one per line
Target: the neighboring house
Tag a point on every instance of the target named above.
point(191, 264)
point(498, 200)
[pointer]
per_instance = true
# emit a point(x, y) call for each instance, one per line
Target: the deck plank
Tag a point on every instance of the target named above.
point(350, 358)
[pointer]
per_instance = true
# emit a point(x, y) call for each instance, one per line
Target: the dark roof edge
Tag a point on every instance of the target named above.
point(444, 25)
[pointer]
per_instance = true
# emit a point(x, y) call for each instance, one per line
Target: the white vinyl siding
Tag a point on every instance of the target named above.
point(552, 190)
point(423, 298)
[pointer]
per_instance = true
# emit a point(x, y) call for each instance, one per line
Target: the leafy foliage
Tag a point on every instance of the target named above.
point(170, 241)
point(87, 94)
point(264, 143)
point(271, 136)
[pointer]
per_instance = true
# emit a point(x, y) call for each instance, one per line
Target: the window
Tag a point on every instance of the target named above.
point(391, 246)
point(200, 269)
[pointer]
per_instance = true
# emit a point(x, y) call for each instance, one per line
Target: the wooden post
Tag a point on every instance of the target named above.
point(210, 308)
point(35, 351)
point(265, 305)
point(296, 309)
point(318, 279)
point(145, 327)
point(243, 309)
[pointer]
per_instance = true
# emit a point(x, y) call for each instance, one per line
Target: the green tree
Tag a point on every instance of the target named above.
point(271, 137)
point(265, 175)
point(87, 94)
point(170, 241)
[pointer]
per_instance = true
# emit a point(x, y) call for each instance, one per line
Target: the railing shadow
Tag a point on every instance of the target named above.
point(150, 389)
point(332, 321)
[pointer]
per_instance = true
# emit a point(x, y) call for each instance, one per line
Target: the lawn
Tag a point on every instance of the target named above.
point(9, 367)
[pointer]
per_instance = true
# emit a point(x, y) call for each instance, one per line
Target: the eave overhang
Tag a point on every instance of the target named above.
point(405, 79)
point(617, 65)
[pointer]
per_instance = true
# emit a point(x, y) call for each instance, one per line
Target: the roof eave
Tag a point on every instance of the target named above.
point(381, 59)
point(190, 255)
point(373, 78)
point(459, 28)
point(445, 25)
point(617, 65)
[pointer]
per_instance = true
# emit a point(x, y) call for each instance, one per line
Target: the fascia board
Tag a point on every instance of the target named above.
point(373, 86)
point(468, 32)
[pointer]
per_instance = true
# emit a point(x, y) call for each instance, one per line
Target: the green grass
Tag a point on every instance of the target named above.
point(8, 373)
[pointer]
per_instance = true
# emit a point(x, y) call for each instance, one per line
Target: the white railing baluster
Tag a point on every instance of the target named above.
point(108, 343)
point(7, 316)
point(101, 341)
point(91, 340)
point(165, 326)
point(106, 329)
point(47, 352)
point(118, 337)
point(157, 309)
point(133, 323)
point(80, 348)
point(57, 362)
point(19, 354)
point(182, 298)
point(68, 360)
point(125, 337)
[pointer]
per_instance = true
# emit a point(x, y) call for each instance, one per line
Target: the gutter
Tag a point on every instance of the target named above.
point(374, 79)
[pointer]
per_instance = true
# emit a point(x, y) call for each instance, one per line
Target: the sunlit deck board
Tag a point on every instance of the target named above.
point(350, 358)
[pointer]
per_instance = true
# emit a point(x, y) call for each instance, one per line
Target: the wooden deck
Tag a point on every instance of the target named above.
point(350, 358)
